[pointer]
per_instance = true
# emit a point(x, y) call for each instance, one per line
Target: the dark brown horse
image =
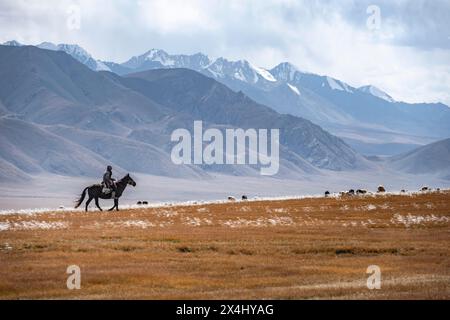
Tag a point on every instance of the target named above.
point(95, 192)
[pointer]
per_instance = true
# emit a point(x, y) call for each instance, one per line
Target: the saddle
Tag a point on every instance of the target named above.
point(107, 191)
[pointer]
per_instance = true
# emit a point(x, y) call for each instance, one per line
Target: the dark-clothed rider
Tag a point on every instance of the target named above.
point(108, 180)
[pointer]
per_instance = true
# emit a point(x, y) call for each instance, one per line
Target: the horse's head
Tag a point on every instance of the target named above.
point(130, 181)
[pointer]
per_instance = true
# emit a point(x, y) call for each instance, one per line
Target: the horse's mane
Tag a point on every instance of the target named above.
point(120, 180)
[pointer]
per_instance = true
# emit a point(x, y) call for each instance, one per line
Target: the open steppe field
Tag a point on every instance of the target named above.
point(312, 248)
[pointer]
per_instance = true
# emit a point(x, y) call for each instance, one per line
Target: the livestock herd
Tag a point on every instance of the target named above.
point(380, 189)
point(351, 192)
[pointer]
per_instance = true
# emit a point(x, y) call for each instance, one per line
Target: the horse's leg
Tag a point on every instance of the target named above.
point(96, 203)
point(112, 208)
point(116, 204)
point(87, 202)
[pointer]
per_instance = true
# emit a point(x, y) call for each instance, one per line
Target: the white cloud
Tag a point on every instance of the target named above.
point(177, 16)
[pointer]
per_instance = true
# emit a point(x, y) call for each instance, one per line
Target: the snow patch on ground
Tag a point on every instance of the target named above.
point(33, 225)
point(6, 247)
point(409, 219)
point(369, 207)
point(4, 226)
point(260, 222)
point(142, 224)
point(196, 222)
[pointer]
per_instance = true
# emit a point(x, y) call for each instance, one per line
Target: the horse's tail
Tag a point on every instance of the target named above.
point(83, 195)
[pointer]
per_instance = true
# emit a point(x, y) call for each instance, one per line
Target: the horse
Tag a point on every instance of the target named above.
point(95, 191)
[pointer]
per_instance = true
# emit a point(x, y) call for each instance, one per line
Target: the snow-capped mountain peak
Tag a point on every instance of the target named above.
point(337, 85)
point(153, 52)
point(155, 55)
point(48, 46)
point(285, 71)
point(78, 53)
point(241, 70)
point(264, 73)
point(376, 92)
point(12, 43)
point(74, 50)
point(162, 59)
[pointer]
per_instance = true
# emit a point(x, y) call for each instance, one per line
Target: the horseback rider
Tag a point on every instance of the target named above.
point(108, 181)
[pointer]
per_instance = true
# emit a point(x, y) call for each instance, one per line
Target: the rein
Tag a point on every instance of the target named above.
point(121, 184)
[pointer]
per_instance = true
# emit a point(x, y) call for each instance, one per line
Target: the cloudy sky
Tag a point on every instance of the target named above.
point(402, 47)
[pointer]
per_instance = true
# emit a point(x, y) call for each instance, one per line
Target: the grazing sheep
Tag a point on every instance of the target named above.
point(139, 203)
point(438, 189)
point(351, 192)
point(244, 197)
point(361, 191)
point(381, 189)
point(230, 198)
point(403, 191)
point(145, 202)
point(327, 193)
point(424, 188)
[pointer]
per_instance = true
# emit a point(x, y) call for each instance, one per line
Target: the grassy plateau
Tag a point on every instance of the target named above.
point(312, 248)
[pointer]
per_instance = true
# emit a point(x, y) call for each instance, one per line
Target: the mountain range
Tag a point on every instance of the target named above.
point(51, 99)
point(64, 112)
point(366, 118)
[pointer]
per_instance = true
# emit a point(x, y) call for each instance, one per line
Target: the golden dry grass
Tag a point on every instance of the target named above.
point(290, 249)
